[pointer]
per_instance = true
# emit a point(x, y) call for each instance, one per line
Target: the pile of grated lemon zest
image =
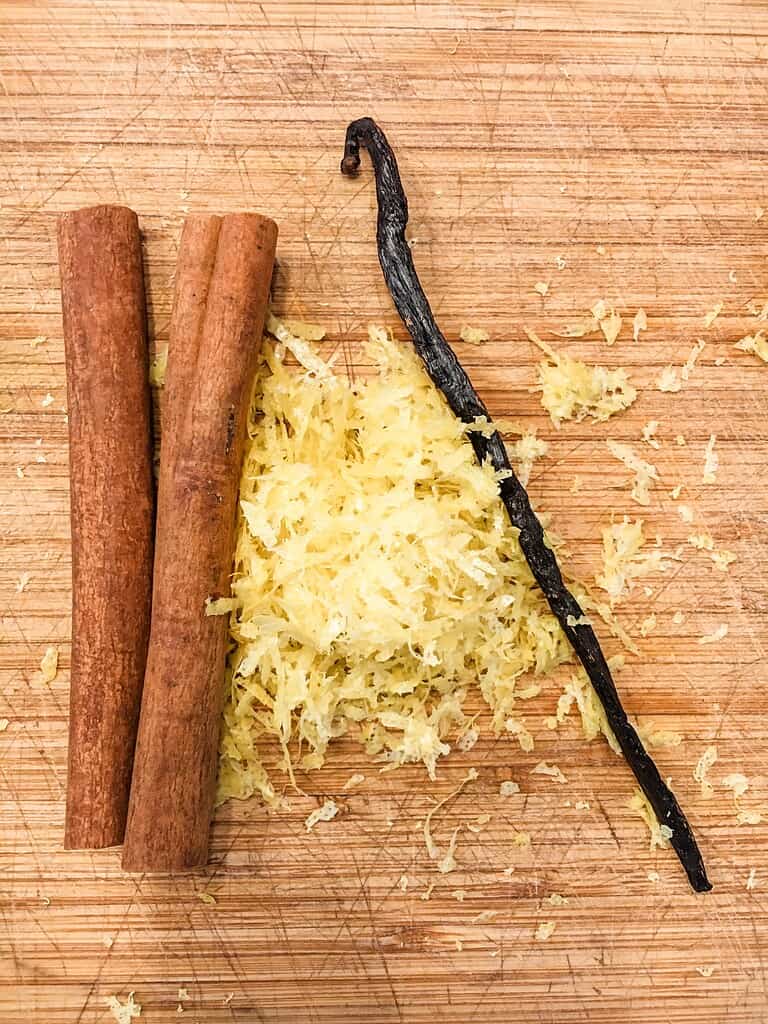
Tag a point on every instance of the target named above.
point(571, 390)
point(377, 577)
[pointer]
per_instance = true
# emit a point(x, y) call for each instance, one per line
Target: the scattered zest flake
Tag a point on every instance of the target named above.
point(711, 461)
point(668, 380)
point(752, 879)
point(648, 625)
point(542, 768)
point(23, 581)
point(522, 839)
point(48, 400)
point(705, 762)
point(644, 471)
point(125, 1012)
point(649, 433)
point(660, 834)
point(571, 390)
point(327, 812)
point(706, 971)
point(690, 362)
point(623, 560)
point(220, 605)
point(49, 666)
point(544, 931)
point(722, 559)
point(653, 876)
point(208, 898)
point(508, 788)
point(610, 325)
point(719, 634)
point(560, 262)
point(474, 335)
point(555, 899)
point(354, 780)
point(542, 287)
point(713, 314)
point(158, 367)
point(686, 513)
point(755, 343)
point(432, 848)
point(640, 323)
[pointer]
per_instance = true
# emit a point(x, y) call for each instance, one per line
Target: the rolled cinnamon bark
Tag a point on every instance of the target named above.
point(112, 509)
point(218, 317)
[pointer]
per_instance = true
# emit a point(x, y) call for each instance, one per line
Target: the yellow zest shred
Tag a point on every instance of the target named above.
point(659, 834)
point(705, 762)
point(49, 666)
point(624, 560)
point(509, 788)
point(474, 335)
point(711, 461)
point(220, 605)
point(755, 343)
point(542, 287)
point(649, 434)
point(208, 898)
point(571, 390)
point(668, 380)
point(544, 931)
point(550, 770)
point(125, 1012)
point(713, 314)
point(645, 472)
point(610, 325)
point(432, 848)
point(377, 576)
point(722, 559)
point(525, 452)
point(690, 362)
point(640, 323)
point(327, 812)
point(648, 625)
point(305, 331)
point(158, 368)
point(718, 634)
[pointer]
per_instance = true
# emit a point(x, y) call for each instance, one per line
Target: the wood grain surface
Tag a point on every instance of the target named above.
point(526, 131)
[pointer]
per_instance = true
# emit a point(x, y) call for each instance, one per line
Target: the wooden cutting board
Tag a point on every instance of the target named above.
point(628, 139)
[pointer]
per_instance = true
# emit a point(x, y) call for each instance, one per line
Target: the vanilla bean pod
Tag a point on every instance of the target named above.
point(450, 377)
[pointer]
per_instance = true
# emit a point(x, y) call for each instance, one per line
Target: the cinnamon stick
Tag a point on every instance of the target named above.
point(112, 507)
point(219, 308)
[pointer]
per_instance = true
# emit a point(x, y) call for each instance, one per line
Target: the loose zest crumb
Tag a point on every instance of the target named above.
point(648, 625)
point(690, 362)
point(555, 899)
point(208, 898)
point(720, 633)
point(713, 314)
point(649, 434)
point(645, 472)
point(433, 851)
point(220, 605)
point(23, 582)
point(705, 762)
point(623, 559)
point(711, 461)
point(610, 325)
point(755, 343)
point(653, 876)
point(659, 834)
point(751, 882)
point(542, 287)
point(542, 768)
point(49, 666)
point(509, 788)
point(571, 390)
point(706, 971)
point(158, 368)
point(474, 335)
point(327, 812)
point(640, 323)
point(354, 780)
point(544, 931)
point(125, 1012)
point(668, 380)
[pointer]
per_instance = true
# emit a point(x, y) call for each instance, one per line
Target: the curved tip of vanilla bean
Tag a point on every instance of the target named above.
point(358, 131)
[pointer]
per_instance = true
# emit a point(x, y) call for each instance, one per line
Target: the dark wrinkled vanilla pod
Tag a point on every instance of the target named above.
point(449, 376)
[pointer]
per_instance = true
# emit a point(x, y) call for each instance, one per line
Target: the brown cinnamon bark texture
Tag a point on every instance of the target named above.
point(112, 510)
point(224, 273)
